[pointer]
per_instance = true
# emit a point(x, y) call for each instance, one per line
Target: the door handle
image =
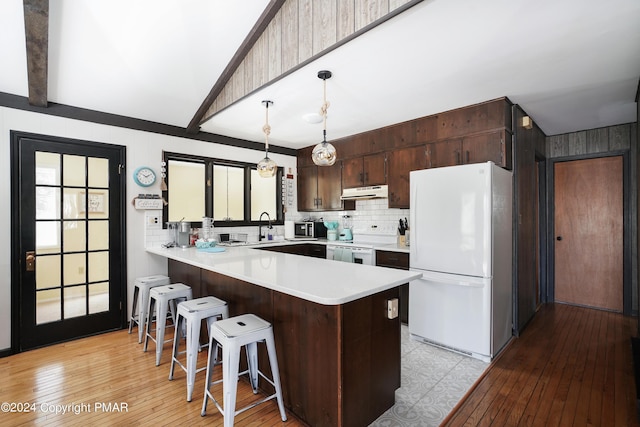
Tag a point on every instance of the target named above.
point(559, 238)
point(30, 258)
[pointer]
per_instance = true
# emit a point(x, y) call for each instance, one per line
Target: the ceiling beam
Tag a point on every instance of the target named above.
point(263, 21)
point(36, 25)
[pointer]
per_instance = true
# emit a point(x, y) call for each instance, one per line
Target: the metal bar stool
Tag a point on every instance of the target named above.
point(193, 312)
point(232, 334)
point(140, 302)
point(163, 297)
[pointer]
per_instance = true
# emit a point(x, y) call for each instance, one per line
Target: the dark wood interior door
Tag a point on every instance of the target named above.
point(588, 222)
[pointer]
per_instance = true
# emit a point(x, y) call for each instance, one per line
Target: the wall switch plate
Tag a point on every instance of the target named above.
point(392, 308)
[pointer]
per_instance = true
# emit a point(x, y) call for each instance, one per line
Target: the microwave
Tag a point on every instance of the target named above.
point(315, 229)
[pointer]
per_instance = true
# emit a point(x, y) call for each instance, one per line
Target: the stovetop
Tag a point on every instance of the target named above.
point(368, 239)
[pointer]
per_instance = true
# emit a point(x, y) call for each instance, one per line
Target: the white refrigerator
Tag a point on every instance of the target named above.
point(461, 242)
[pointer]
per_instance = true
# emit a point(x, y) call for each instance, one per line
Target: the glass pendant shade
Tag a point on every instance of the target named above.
point(324, 154)
point(267, 167)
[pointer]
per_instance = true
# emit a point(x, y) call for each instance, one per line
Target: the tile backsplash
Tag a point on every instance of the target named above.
point(370, 216)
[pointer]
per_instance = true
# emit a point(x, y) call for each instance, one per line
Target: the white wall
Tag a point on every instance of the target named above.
point(143, 148)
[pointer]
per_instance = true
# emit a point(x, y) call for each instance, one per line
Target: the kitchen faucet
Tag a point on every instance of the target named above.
point(260, 236)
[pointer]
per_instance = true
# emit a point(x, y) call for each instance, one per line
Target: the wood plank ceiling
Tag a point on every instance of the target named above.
point(288, 35)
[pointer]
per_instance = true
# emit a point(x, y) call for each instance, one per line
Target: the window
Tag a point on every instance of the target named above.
point(232, 193)
point(228, 191)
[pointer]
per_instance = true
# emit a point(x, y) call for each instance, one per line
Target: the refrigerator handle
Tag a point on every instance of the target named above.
point(443, 281)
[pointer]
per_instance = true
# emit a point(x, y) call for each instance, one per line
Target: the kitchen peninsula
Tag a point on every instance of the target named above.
point(338, 352)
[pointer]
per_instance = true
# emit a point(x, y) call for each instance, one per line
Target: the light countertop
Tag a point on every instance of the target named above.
point(318, 280)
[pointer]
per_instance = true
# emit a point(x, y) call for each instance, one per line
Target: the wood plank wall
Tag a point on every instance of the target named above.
point(602, 141)
point(301, 30)
point(528, 145)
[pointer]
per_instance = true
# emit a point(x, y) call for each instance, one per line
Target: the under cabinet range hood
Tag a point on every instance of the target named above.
point(361, 193)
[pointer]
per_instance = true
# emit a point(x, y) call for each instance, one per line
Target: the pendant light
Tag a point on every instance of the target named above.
point(266, 167)
point(324, 154)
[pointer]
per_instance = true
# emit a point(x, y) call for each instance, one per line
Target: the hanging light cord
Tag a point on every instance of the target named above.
point(323, 110)
point(266, 128)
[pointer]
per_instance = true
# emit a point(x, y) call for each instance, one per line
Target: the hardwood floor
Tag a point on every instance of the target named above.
point(570, 366)
point(112, 369)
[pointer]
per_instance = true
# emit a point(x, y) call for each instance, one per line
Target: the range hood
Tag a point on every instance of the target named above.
point(361, 193)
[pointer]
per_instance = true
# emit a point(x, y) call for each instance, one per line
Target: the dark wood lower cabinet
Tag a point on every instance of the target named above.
point(305, 249)
point(339, 364)
point(399, 260)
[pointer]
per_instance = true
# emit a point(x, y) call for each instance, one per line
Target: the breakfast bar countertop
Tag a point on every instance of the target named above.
point(317, 280)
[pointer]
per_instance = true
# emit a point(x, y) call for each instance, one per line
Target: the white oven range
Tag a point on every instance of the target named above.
point(361, 249)
point(349, 253)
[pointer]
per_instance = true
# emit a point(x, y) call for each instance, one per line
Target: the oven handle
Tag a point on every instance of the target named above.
point(353, 250)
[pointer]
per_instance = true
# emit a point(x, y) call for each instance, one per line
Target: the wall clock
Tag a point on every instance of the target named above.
point(144, 176)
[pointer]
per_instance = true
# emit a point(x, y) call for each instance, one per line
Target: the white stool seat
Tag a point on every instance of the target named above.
point(193, 312)
point(232, 334)
point(142, 285)
point(163, 298)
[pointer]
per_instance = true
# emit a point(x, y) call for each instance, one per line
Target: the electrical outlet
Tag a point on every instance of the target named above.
point(392, 308)
point(153, 220)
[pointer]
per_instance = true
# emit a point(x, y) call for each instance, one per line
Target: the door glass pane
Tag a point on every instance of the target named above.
point(98, 235)
point(48, 307)
point(73, 203)
point(47, 237)
point(73, 170)
point(72, 229)
point(47, 168)
point(98, 297)
point(98, 172)
point(98, 202)
point(75, 302)
point(47, 203)
point(263, 196)
point(186, 191)
point(228, 193)
point(98, 266)
point(47, 271)
point(74, 269)
point(74, 236)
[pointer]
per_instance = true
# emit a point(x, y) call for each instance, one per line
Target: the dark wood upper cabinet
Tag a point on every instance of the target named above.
point(473, 134)
point(319, 188)
point(364, 171)
point(375, 169)
point(400, 163)
point(492, 146)
point(488, 116)
point(307, 188)
point(444, 153)
point(352, 175)
point(330, 187)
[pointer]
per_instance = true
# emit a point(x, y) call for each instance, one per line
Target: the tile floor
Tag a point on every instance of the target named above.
point(433, 381)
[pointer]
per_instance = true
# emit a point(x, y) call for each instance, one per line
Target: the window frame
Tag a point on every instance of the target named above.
point(209, 162)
